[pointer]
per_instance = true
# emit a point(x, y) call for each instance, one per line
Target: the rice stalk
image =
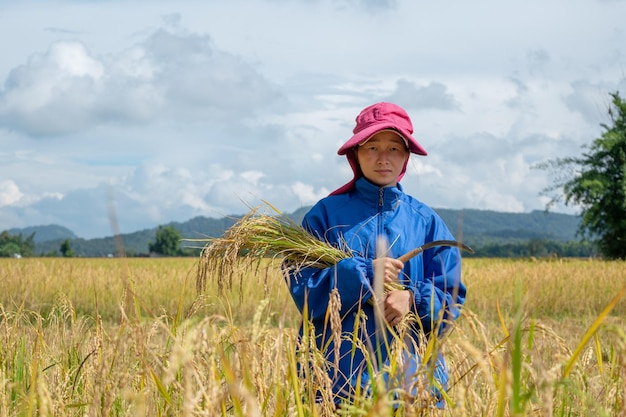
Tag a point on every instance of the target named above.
point(257, 236)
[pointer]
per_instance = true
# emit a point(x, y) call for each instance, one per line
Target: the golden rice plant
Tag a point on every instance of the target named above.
point(257, 236)
point(61, 356)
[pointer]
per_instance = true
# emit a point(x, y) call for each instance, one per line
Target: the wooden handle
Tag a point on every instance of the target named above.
point(432, 244)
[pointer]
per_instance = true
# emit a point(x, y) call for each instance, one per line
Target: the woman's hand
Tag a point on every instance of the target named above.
point(396, 305)
point(390, 266)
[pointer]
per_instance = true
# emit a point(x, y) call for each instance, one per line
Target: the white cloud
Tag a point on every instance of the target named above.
point(10, 193)
point(307, 193)
point(167, 76)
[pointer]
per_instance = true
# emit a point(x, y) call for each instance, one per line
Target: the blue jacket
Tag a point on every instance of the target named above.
point(354, 220)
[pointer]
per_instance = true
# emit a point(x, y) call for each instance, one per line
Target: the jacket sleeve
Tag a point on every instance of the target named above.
point(440, 293)
point(310, 288)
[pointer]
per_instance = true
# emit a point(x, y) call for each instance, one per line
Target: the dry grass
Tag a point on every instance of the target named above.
point(552, 289)
point(120, 337)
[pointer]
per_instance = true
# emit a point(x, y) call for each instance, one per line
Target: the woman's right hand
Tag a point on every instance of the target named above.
point(391, 267)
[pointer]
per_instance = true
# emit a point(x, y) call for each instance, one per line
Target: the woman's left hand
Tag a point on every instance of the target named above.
point(396, 305)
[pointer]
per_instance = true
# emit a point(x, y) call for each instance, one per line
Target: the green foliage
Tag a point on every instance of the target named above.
point(11, 245)
point(167, 242)
point(66, 249)
point(596, 182)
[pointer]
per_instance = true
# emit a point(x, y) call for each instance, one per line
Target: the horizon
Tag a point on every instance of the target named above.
point(21, 229)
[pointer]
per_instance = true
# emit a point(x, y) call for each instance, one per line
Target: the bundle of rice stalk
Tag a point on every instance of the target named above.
point(257, 236)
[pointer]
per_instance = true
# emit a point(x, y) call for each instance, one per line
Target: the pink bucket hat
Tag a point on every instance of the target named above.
point(371, 120)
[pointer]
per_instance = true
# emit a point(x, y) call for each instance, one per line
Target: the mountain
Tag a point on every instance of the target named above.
point(44, 233)
point(474, 227)
point(136, 243)
point(482, 226)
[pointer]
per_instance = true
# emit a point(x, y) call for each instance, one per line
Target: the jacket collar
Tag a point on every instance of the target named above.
point(375, 194)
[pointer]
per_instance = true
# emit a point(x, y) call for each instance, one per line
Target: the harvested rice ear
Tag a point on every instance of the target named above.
point(257, 236)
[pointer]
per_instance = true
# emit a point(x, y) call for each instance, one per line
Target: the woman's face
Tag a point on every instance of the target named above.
point(382, 158)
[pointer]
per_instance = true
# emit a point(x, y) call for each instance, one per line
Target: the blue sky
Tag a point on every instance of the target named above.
point(161, 111)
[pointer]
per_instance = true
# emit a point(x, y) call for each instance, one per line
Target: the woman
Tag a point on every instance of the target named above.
point(353, 217)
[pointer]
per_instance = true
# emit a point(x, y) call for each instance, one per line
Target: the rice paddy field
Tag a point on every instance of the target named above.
point(131, 337)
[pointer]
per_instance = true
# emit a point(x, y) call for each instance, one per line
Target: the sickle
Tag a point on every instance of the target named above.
point(432, 244)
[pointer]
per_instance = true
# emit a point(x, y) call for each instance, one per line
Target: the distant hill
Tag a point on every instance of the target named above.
point(45, 233)
point(136, 243)
point(474, 227)
point(483, 226)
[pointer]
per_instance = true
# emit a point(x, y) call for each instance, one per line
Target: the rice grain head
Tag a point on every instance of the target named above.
point(257, 236)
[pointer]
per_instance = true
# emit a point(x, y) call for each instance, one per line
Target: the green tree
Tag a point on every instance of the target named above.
point(9, 249)
point(27, 246)
point(16, 244)
point(167, 242)
point(596, 182)
point(66, 249)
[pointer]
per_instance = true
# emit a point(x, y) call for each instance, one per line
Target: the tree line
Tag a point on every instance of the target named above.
point(18, 246)
point(167, 243)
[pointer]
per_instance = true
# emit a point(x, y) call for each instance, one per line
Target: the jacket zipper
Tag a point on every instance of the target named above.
point(381, 203)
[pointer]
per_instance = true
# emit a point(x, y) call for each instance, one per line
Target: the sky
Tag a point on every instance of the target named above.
point(118, 116)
